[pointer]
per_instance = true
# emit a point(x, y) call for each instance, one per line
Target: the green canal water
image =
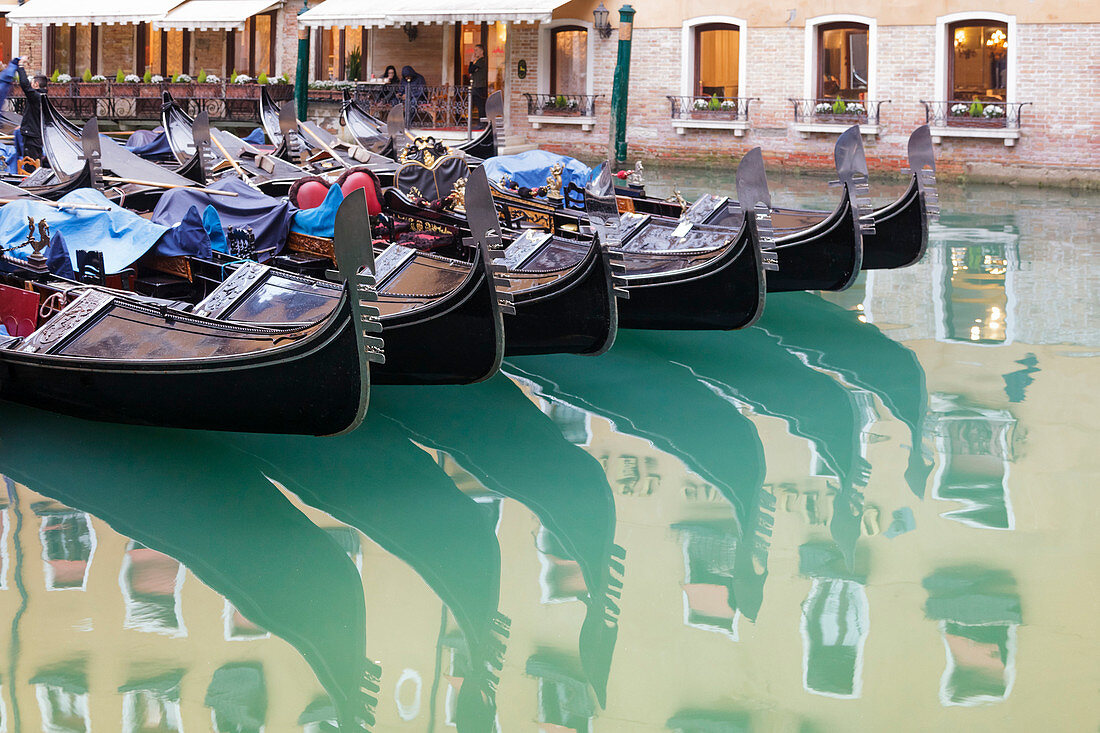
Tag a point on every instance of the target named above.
point(875, 510)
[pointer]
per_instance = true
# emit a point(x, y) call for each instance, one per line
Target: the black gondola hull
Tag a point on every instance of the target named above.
point(901, 232)
point(314, 387)
point(579, 314)
point(724, 294)
point(824, 257)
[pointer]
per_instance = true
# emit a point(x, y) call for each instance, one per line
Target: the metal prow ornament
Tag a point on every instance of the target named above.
point(37, 261)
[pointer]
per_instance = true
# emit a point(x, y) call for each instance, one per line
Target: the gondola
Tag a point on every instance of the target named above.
point(563, 290)
point(712, 279)
point(110, 357)
point(441, 316)
point(373, 134)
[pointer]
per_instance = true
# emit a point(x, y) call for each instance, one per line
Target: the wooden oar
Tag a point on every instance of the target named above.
point(155, 184)
point(236, 166)
point(60, 205)
point(328, 149)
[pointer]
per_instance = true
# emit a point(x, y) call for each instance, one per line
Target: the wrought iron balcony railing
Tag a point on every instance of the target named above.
point(142, 101)
point(961, 113)
point(426, 107)
point(837, 111)
point(562, 105)
point(711, 108)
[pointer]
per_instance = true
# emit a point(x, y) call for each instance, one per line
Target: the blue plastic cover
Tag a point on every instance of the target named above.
point(319, 221)
point(57, 257)
point(188, 238)
point(269, 217)
point(122, 236)
point(530, 169)
point(10, 158)
point(256, 137)
point(213, 225)
point(150, 144)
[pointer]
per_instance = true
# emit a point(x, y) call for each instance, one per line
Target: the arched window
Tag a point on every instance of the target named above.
point(569, 60)
point(717, 54)
point(843, 61)
point(977, 60)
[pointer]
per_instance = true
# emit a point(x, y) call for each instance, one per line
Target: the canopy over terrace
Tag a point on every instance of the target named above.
point(331, 13)
point(199, 15)
point(115, 12)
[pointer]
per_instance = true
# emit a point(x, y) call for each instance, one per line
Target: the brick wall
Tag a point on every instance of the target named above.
point(425, 54)
point(208, 52)
point(1060, 138)
point(116, 49)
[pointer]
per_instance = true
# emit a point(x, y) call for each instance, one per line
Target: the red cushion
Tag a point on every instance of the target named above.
point(360, 179)
point(311, 194)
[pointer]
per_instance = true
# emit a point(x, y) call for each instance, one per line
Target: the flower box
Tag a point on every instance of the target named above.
point(242, 91)
point(558, 112)
point(206, 90)
point(967, 121)
point(281, 92)
point(713, 114)
point(840, 119)
point(180, 90)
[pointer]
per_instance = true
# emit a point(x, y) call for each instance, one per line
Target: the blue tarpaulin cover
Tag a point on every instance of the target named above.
point(256, 137)
point(212, 223)
point(319, 221)
point(530, 169)
point(269, 217)
point(150, 144)
point(58, 259)
point(186, 238)
point(122, 236)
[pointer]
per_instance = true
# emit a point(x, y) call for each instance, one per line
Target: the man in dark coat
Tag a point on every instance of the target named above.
point(415, 88)
point(479, 81)
point(31, 127)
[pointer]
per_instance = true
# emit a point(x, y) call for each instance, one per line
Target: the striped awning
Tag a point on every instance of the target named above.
point(375, 15)
point(111, 12)
point(201, 15)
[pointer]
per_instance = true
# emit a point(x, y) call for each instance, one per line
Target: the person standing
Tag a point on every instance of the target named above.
point(31, 127)
point(479, 80)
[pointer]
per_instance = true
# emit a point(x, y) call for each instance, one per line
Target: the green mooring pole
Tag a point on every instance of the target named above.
point(622, 83)
point(301, 74)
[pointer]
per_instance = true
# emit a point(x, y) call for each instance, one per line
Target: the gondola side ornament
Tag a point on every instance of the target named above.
point(91, 153)
point(756, 204)
point(922, 163)
point(200, 131)
point(351, 244)
point(603, 213)
point(485, 228)
point(851, 168)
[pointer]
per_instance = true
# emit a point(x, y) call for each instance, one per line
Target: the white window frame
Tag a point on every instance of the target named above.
point(687, 71)
point(546, 36)
point(810, 70)
point(1009, 137)
point(586, 123)
point(809, 83)
point(945, 21)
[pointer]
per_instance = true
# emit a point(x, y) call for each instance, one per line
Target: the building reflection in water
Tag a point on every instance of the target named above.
point(978, 612)
point(836, 619)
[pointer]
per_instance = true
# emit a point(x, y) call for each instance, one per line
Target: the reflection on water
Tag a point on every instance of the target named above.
point(783, 528)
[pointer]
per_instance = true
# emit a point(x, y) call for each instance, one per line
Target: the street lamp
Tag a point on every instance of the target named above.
point(602, 26)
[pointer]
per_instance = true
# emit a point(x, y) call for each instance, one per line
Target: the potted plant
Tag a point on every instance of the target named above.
point(280, 88)
point(842, 111)
point(207, 86)
point(562, 106)
point(976, 114)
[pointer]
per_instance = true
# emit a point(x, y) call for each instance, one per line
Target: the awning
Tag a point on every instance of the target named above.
point(115, 12)
point(356, 12)
point(201, 15)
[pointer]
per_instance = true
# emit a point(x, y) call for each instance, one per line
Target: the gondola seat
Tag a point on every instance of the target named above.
point(18, 310)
